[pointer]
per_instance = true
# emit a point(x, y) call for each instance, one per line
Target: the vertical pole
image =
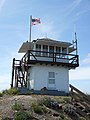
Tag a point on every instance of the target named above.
point(30, 28)
point(12, 72)
point(76, 43)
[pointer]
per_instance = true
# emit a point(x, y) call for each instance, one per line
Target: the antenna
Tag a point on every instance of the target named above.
point(45, 35)
point(76, 43)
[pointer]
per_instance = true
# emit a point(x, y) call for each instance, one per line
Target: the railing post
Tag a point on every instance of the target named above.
point(77, 59)
point(53, 56)
point(28, 55)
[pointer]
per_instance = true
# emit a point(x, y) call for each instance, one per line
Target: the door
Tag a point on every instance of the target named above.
point(51, 81)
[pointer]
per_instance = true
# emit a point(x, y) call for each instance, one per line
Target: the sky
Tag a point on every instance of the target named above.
point(60, 19)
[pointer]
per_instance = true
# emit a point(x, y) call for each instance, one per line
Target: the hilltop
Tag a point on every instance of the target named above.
point(37, 107)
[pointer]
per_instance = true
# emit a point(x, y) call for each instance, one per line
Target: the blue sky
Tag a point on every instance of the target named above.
point(59, 20)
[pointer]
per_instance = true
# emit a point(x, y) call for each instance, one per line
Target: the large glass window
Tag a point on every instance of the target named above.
point(64, 50)
point(58, 51)
point(45, 49)
point(38, 49)
point(51, 50)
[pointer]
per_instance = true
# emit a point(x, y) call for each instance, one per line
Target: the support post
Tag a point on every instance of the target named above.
point(12, 72)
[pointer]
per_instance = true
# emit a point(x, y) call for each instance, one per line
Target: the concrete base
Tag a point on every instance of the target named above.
point(24, 90)
point(50, 92)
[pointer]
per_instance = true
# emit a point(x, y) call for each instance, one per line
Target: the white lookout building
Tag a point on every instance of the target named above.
point(44, 68)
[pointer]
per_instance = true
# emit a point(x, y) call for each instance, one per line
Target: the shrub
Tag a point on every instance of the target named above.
point(62, 116)
point(48, 102)
point(1, 94)
point(6, 118)
point(11, 91)
point(67, 99)
point(62, 99)
point(44, 109)
point(17, 106)
point(21, 115)
point(45, 101)
point(37, 108)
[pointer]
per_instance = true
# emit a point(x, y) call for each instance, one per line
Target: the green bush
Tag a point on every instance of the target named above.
point(45, 101)
point(37, 108)
point(21, 115)
point(17, 106)
point(1, 94)
point(44, 109)
point(62, 99)
point(6, 118)
point(11, 91)
point(62, 116)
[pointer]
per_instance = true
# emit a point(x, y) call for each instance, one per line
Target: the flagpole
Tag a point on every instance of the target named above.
point(30, 28)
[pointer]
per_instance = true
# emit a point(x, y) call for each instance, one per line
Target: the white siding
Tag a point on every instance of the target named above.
point(39, 76)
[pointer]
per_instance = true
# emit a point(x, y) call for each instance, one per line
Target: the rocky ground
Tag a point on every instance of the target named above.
point(18, 105)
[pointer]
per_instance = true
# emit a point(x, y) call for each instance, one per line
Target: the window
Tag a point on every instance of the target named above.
point(51, 74)
point(51, 77)
point(38, 48)
point(58, 50)
point(51, 49)
point(51, 81)
point(45, 49)
point(64, 50)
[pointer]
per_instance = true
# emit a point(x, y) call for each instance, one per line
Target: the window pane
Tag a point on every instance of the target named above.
point(58, 49)
point(45, 48)
point(51, 49)
point(51, 81)
point(51, 74)
point(38, 48)
point(64, 50)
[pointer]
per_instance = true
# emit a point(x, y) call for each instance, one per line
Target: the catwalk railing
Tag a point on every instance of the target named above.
point(51, 57)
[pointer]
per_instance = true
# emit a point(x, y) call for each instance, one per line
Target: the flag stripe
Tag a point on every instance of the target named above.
point(36, 21)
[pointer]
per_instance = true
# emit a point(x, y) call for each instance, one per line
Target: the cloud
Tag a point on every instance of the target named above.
point(72, 7)
point(46, 29)
point(6, 68)
point(5, 81)
point(87, 59)
point(82, 72)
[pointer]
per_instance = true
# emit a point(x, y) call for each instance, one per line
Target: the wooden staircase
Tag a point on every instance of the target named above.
point(81, 102)
point(19, 74)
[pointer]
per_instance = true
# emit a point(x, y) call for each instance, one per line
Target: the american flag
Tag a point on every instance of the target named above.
point(36, 21)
